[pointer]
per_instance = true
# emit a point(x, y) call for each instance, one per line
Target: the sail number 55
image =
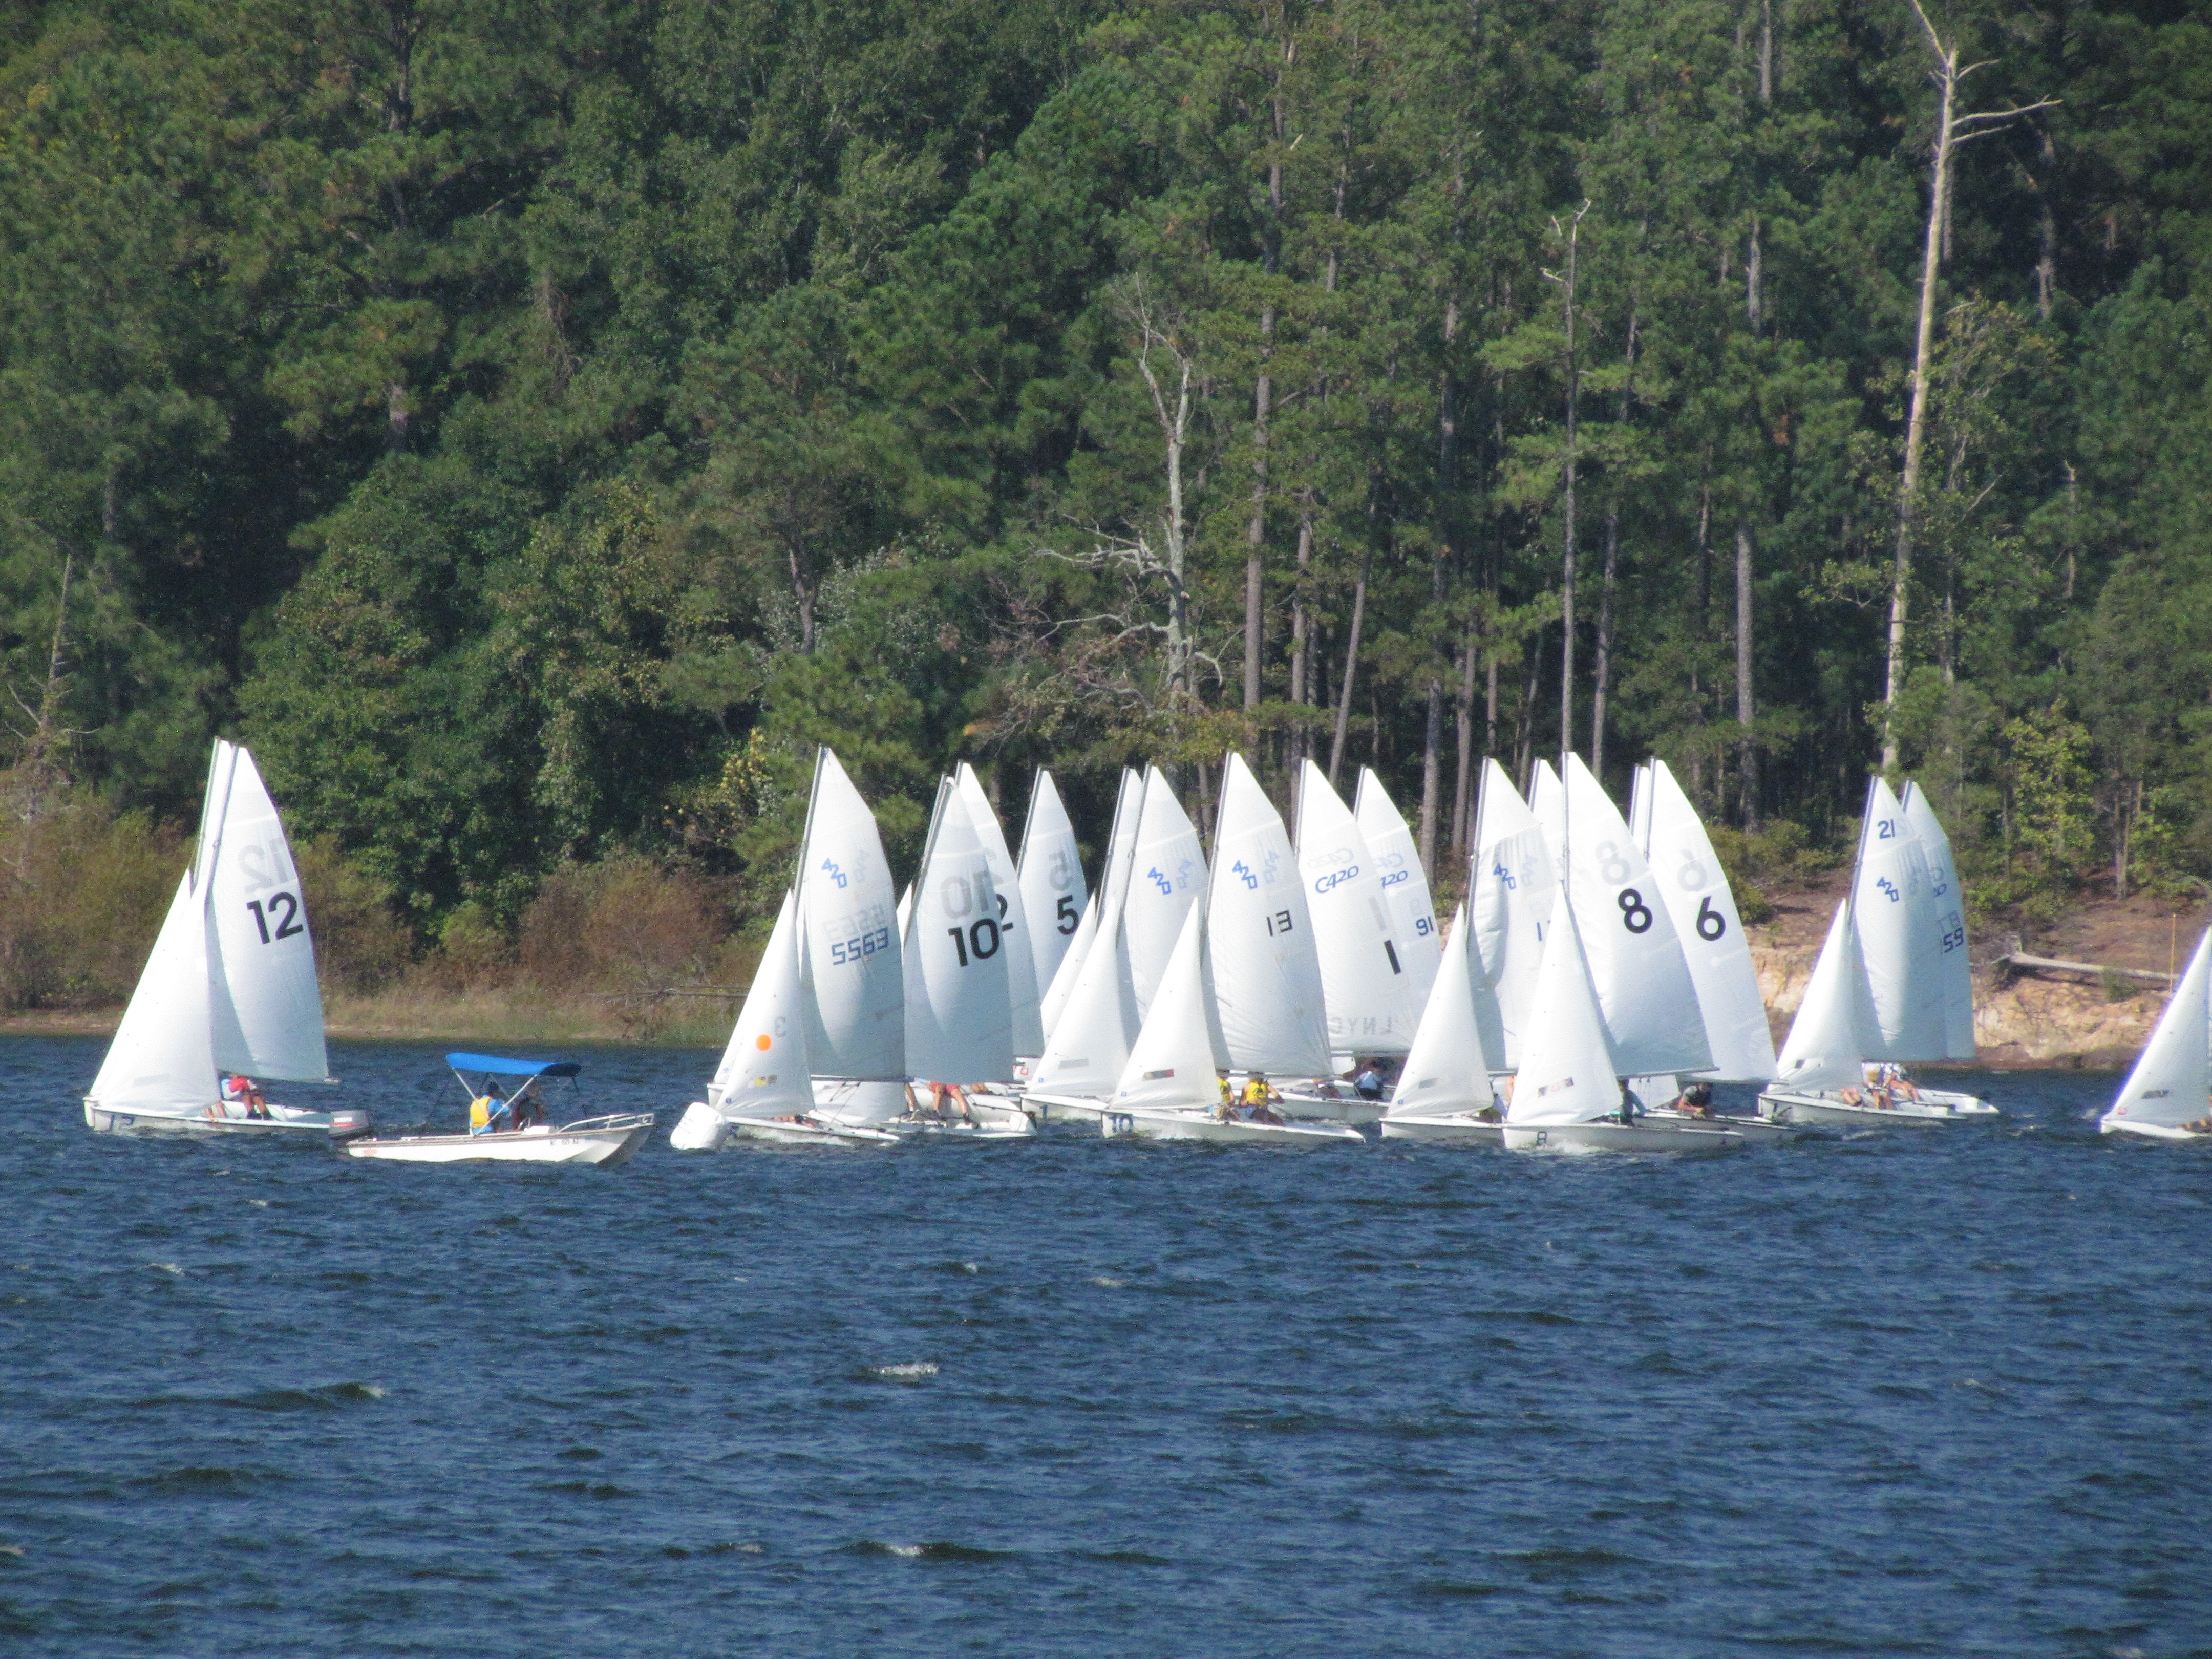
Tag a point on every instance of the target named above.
point(284, 910)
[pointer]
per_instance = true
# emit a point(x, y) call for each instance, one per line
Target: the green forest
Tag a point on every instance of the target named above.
point(533, 427)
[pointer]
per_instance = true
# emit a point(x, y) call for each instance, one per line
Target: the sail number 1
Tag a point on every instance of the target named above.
point(284, 910)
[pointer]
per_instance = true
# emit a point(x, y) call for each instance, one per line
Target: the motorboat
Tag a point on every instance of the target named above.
point(516, 1129)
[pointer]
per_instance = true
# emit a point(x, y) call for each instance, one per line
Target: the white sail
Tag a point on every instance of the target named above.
point(764, 1071)
point(1949, 902)
point(1548, 800)
point(1901, 948)
point(1368, 993)
point(1420, 945)
point(1174, 1059)
point(1513, 877)
point(1703, 914)
point(1013, 915)
point(1652, 1015)
point(161, 1062)
point(1567, 1073)
point(1821, 1051)
point(958, 1027)
point(1167, 873)
point(1105, 907)
point(1051, 877)
point(849, 953)
point(1447, 1071)
point(1266, 975)
point(265, 1006)
point(1089, 1041)
point(2167, 1087)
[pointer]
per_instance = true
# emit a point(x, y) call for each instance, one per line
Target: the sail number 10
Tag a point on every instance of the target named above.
point(284, 910)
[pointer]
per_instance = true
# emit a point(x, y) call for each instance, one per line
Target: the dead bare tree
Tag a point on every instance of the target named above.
point(1952, 129)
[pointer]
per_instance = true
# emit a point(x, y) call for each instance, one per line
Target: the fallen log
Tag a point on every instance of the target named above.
point(2017, 963)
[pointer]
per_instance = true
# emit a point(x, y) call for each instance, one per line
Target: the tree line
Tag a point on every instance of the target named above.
point(532, 427)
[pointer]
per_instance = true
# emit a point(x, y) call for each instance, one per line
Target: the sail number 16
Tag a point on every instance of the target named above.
point(284, 910)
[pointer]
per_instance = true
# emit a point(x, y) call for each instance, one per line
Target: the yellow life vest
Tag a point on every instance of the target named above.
point(480, 1114)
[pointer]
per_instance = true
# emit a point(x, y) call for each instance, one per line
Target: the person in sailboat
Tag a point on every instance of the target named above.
point(1630, 1107)
point(1697, 1101)
point(1888, 1079)
point(1371, 1083)
point(239, 1090)
point(1260, 1098)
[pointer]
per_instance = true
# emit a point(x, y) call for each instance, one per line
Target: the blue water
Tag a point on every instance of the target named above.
point(1937, 1392)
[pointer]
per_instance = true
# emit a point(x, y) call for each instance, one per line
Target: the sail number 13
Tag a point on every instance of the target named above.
point(284, 910)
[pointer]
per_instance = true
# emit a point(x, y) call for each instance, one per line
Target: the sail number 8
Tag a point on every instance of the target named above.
point(284, 910)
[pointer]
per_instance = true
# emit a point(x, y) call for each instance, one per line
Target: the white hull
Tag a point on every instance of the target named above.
point(805, 1132)
point(602, 1140)
point(1795, 1106)
point(228, 1118)
point(1196, 1123)
point(1301, 1106)
point(1062, 1109)
point(1445, 1129)
point(2154, 1131)
point(1618, 1138)
point(1756, 1130)
point(990, 1118)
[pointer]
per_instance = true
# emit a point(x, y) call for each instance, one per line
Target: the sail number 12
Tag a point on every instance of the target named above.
point(284, 910)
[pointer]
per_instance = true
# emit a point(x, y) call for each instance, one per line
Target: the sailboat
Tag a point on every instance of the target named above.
point(1513, 879)
point(1694, 889)
point(1565, 1096)
point(965, 984)
point(1443, 1091)
point(1876, 994)
point(1027, 1024)
point(1050, 876)
point(1102, 1010)
point(817, 1056)
point(1420, 947)
point(764, 1080)
point(230, 986)
point(1243, 991)
point(1105, 905)
point(2164, 1095)
point(1366, 985)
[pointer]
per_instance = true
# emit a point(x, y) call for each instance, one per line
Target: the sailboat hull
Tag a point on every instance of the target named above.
point(1795, 1106)
point(1445, 1129)
point(1619, 1138)
point(805, 1132)
point(606, 1142)
point(1303, 1106)
point(2154, 1131)
point(1758, 1131)
point(1062, 1109)
point(1200, 1124)
point(227, 1118)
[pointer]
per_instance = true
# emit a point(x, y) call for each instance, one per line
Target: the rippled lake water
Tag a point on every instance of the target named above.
point(1943, 1392)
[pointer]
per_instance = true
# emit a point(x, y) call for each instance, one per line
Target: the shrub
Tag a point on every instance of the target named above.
point(82, 892)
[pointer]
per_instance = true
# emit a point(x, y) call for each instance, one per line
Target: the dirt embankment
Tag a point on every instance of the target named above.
point(2018, 1021)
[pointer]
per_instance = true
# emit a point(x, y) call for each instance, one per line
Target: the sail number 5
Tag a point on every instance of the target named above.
point(284, 910)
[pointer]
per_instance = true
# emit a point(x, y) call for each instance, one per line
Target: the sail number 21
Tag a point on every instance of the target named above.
point(284, 910)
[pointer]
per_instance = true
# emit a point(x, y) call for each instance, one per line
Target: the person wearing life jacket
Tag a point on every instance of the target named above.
point(1697, 1101)
point(1260, 1100)
point(242, 1090)
point(487, 1112)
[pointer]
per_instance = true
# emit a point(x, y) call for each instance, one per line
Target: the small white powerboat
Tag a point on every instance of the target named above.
point(514, 1130)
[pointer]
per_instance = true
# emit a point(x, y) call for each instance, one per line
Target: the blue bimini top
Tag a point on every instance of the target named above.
point(494, 1066)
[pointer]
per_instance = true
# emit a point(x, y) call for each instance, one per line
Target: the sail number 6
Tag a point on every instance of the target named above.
point(284, 910)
